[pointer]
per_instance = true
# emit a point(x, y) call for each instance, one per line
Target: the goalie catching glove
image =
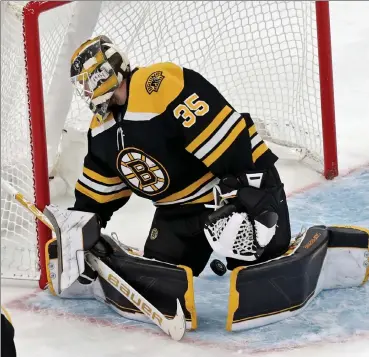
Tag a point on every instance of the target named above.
point(83, 263)
point(245, 217)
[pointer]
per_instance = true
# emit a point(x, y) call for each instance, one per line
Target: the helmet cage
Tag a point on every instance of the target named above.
point(94, 78)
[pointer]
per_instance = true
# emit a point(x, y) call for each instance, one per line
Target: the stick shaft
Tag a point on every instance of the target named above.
point(5, 185)
point(174, 328)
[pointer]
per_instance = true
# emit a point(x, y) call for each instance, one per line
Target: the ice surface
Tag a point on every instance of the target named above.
point(335, 324)
point(334, 316)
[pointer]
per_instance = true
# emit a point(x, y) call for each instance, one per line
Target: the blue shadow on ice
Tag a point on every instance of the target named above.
point(333, 316)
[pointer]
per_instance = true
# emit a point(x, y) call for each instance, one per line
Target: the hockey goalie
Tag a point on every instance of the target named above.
point(163, 132)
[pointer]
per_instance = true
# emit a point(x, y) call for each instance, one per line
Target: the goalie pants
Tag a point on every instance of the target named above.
point(177, 236)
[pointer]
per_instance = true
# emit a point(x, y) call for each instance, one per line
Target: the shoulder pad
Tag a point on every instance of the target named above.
point(152, 89)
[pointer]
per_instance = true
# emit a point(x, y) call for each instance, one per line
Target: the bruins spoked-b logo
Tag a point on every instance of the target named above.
point(154, 81)
point(154, 234)
point(142, 171)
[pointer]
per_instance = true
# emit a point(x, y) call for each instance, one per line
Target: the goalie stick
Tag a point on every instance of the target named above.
point(175, 327)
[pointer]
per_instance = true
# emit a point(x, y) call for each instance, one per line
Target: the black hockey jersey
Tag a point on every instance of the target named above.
point(171, 142)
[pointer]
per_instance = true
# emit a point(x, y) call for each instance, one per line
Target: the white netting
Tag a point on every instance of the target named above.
point(19, 253)
point(262, 55)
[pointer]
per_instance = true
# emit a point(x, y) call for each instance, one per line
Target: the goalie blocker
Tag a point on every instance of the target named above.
point(322, 258)
point(70, 276)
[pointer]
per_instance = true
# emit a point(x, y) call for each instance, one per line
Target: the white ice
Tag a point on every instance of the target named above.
point(45, 335)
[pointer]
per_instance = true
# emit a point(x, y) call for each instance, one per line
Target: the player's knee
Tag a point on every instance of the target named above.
point(179, 240)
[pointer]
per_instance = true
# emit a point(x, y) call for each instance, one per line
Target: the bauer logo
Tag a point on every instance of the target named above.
point(312, 240)
point(154, 81)
point(142, 171)
point(134, 299)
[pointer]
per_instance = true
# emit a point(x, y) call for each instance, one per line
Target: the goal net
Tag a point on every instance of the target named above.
point(262, 55)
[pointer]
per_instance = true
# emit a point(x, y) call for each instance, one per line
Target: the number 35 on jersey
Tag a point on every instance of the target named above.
point(190, 110)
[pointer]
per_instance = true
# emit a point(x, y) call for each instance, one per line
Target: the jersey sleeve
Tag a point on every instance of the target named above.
point(99, 189)
point(226, 141)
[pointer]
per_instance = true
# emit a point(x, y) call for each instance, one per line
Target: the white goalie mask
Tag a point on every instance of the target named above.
point(98, 68)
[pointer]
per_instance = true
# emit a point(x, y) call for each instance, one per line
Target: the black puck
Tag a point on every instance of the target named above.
point(218, 267)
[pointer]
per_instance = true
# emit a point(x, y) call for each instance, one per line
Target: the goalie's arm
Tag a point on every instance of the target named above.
point(225, 140)
point(99, 190)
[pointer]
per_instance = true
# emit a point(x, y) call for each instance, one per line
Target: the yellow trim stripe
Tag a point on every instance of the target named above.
point(95, 122)
point(130, 176)
point(85, 73)
point(6, 313)
point(102, 198)
point(234, 297)
point(99, 59)
point(47, 260)
point(209, 129)
point(129, 309)
point(260, 150)
point(205, 199)
point(102, 179)
point(252, 130)
point(106, 86)
point(82, 47)
point(189, 296)
point(295, 307)
point(214, 156)
point(188, 190)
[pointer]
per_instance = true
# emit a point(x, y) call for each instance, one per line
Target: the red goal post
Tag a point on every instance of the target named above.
point(36, 106)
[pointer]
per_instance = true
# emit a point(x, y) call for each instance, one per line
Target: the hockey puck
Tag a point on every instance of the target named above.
point(218, 267)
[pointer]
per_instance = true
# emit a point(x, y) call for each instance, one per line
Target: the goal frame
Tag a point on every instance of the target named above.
point(31, 13)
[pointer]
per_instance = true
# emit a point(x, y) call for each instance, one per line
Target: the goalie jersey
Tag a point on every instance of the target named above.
point(170, 143)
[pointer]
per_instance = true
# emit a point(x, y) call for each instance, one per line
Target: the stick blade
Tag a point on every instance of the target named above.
point(178, 324)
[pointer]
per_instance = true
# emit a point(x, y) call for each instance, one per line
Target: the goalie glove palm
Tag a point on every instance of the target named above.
point(242, 229)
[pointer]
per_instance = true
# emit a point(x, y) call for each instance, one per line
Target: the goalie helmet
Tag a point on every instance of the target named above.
point(98, 68)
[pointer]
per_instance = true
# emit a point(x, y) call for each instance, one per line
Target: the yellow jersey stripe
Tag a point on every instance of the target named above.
point(97, 177)
point(102, 198)
point(260, 150)
point(188, 190)
point(209, 129)
point(252, 130)
point(105, 125)
point(95, 123)
point(205, 199)
point(214, 156)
